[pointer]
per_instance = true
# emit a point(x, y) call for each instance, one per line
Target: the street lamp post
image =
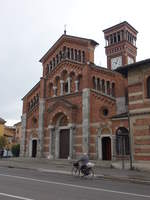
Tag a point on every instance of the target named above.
point(130, 144)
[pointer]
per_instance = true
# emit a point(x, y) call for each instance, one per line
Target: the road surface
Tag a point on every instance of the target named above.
point(28, 184)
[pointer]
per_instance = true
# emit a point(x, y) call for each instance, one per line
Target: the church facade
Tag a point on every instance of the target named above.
point(79, 107)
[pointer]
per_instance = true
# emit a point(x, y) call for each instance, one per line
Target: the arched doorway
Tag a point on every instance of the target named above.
point(34, 148)
point(122, 141)
point(61, 136)
point(106, 148)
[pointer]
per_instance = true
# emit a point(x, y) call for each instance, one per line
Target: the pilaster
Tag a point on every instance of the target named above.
point(23, 134)
point(41, 128)
point(85, 119)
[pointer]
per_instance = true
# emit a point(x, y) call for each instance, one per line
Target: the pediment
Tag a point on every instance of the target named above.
point(67, 39)
point(62, 103)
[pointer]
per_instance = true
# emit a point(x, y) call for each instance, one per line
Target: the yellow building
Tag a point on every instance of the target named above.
point(2, 126)
point(9, 133)
point(18, 132)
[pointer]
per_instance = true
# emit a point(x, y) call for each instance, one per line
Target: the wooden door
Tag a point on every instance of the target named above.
point(64, 143)
point(106, 148)
point(34, 148)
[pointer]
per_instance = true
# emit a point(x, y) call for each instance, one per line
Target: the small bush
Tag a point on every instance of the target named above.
point(15, 150)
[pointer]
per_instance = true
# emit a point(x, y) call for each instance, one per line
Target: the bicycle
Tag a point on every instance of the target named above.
point(85, 172)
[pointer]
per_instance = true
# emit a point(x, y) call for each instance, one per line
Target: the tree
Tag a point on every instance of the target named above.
point(3, 142)
point(15, 150)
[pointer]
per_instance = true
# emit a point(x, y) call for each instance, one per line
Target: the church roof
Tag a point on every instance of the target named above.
point(67, 37)
point(34, 87)
point(120, 25)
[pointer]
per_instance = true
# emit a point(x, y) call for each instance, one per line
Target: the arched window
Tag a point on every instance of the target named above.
point(79, 56)
point(94, 83)
point(76, 55)
point(54, 62)
point(50, 65)
point(98, 84)
point(60, 55)
point(72, 54)
point(103, 86)
point(66, 87)
point(57, 59)
point(34, 101)
point(68, 53)
point(64, 52)
point(113, 89)
point(148, 87)
point(37, 98)
point(108, 87)
point(83, 56)
point(31, 104)
point(122, 141)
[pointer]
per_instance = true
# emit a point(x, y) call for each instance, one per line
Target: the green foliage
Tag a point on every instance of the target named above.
point(3, 142)
point(15, 150)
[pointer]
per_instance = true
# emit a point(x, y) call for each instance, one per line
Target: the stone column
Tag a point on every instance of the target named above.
point(116, 37)
point(55, 89)
point(71, 127)
point(99, 147)
point(105, 87)
point(85, 119)
point(114, 147)
point(41, 128)
point(96, 83)
point(101, 83)
point(28, 145)
point(111, 89)
point(120, 35)
point(69, 85)
point(23, 134)
point(51, 142)
point(76, 86)
point(57, 143)
point(61, 87)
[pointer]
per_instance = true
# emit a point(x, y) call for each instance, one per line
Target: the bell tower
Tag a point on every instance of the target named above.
point(120, 46)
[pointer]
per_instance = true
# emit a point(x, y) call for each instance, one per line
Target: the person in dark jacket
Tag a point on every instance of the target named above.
point(83, 162)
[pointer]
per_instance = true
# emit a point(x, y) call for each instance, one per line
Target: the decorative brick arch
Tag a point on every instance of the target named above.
point(65, 107)
point(105, 133)
point(60, 119)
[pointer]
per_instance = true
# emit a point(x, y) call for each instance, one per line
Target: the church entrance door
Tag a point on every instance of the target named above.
point(34, 148)
point(106, 148)
point(64, 143)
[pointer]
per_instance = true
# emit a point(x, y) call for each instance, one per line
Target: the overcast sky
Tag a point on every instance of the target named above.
point(30, 27)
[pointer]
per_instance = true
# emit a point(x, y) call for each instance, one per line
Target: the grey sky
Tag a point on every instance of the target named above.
point(30, 27)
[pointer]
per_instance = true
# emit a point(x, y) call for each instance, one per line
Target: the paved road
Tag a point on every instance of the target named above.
point(33, 185)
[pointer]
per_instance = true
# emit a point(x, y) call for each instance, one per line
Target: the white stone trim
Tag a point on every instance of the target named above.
point(139, 110)
point(135, 102)
point(135, 94)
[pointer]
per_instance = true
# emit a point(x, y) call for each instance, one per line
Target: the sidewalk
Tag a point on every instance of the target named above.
point(64, 167)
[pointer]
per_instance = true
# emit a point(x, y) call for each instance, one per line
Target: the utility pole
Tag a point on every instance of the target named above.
point(130, 144)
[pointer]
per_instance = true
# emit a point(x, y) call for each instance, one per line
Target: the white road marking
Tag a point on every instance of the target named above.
point(15, 197)
point(77, 186)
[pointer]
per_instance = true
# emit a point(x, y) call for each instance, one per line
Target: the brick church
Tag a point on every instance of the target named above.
point(79, 107)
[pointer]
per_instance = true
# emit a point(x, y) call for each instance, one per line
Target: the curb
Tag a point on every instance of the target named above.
point(97, 176)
